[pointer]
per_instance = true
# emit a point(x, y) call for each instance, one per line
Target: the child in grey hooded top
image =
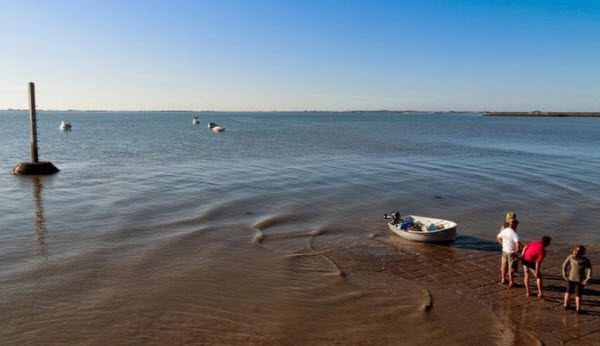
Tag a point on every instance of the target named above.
point(577, 271)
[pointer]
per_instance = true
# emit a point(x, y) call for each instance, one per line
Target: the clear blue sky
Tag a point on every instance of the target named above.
point(297, 55)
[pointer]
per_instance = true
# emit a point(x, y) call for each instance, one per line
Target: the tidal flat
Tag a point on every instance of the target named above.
point(156, 230)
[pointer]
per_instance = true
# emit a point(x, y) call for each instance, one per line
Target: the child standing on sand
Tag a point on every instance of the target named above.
point(509, 239)
point(577, 271)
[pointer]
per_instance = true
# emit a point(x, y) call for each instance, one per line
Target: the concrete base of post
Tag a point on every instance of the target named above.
point(35, 168)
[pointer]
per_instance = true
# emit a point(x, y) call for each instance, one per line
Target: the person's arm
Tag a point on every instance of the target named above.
point(537, 269)
point(518, 241)
point(588, 273)
point(498, 238)
point(564, 268)
point(523, 252)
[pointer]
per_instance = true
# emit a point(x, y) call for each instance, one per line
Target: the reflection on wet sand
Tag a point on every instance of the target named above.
point(39, 221)
point(299, 285)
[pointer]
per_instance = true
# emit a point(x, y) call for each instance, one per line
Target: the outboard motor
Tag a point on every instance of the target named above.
point(396, 218)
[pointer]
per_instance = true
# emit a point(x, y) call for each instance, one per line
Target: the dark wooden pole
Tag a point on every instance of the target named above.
point(33, 123)
point(34, 167)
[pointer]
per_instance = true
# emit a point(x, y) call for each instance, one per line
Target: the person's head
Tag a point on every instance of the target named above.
point(546, 240)
point(578, 251)
point(510, 216)
point(506, 224)
point(513, 223)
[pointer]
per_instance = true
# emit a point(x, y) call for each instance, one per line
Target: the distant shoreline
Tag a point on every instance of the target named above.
point(245, 111)
point(544, 114)
point(409, 112)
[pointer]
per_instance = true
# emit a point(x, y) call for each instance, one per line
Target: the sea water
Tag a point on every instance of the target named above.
point(155, 227)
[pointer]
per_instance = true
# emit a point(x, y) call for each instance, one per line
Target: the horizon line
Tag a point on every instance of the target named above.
point(245, 111)
point(294, 111)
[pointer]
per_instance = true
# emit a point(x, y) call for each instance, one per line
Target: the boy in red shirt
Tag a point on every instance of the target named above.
point(531, 257)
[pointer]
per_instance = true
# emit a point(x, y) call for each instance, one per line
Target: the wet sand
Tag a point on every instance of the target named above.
point(471, 270)
point(309, 288)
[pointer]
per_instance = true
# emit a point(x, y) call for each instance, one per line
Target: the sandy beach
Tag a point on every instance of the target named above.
point(473, 273)
point(376, 289)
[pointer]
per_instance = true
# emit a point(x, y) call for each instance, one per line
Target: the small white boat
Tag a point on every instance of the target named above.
point(195, 121)
point(444, 232)
point(215, 128)
point(65, 126)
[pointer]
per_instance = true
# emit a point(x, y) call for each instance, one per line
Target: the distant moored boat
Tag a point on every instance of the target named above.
point(215, 128)
point(65, 125)
point(195, 121)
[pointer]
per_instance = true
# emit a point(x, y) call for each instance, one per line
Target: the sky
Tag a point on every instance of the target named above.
point(301, 55)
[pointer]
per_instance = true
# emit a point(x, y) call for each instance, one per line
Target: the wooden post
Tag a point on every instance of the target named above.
point(34, 167)
point(33, 123)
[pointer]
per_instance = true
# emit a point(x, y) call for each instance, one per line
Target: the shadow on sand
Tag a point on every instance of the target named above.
point(468, 242)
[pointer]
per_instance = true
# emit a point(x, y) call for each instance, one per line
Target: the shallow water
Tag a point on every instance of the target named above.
point(159, 230)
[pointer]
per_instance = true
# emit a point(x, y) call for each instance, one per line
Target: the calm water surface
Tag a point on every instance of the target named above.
point(155, 227)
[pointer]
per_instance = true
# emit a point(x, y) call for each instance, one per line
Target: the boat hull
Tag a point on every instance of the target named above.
point(65, 126)
point(446, 235)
